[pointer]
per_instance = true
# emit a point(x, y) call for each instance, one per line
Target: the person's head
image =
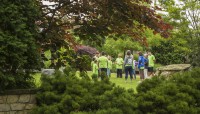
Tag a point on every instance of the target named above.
point(97, 54)
point(145, 55)
point(102, 53)
point(149, 53)
point(109, 57)
point(140, 53)
point(119, 55)
point(128, 53)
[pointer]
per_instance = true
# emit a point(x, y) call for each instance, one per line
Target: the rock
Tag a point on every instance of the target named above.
point(17, 106)
point(33, 99)
point(173, 68)
point(4, 107)
point(3, 99)
point(29, 106)
point(24, 98)
point(48, 72)
point(12, 98)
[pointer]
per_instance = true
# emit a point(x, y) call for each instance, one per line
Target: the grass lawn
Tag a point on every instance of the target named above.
point(118, 81)
point(121, 81)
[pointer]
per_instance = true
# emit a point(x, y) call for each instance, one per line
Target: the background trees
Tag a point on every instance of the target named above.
point(184, 17)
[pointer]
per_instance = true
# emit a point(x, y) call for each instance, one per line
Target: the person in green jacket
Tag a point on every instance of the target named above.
point(95, 67)
point(92, 62)
point(103, 63)
point(151, 62)
point(119, 65)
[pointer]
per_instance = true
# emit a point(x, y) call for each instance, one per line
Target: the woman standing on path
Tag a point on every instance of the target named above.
point(128, 63)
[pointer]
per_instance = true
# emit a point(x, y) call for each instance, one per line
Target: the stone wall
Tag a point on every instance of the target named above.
point(17, 101)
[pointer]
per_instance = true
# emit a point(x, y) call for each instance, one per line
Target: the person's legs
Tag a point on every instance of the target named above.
point(103, 72)
point(141, 74)
point(134, 73)
point(126, 72)
point(145, 73)
point(99, 73)
point(117, 73)
point(131, 72)
point(108, 72)
point(120, 73)
point(150, 71)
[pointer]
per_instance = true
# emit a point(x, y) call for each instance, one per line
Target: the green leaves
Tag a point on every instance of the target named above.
point(177, 94)
point(19, 53)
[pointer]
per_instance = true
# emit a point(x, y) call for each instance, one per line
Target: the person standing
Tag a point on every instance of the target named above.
point(103, 63)
point(134, 72)
point(151, 59)
point(95, 68)
point(97, 55)
point(109, 66)
point(145, 66)
point(141, 62)
point(92, 62)
point(128, 63)
point(119, 65)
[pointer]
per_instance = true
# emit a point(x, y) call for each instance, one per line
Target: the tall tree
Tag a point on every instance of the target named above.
point(184, 15)
point(18, 34)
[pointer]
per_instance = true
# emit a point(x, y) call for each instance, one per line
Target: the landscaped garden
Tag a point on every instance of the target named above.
point(68, 56)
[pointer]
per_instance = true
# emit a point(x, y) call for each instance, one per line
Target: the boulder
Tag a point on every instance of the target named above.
point(173, 68)
point(48, 72)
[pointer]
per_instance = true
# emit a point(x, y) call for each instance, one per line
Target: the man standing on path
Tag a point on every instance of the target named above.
point(141, 62)
point(151, 59)
point(103, 63)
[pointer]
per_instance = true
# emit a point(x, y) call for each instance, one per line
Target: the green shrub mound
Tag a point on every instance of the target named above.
point(18, 39)
point(64, 93)
point(178, 94)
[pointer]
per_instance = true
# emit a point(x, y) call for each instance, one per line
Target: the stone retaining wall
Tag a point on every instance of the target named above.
point(17, 101)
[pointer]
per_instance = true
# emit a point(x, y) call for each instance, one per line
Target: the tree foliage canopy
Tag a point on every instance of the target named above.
point(92, 18)
point(184, 16)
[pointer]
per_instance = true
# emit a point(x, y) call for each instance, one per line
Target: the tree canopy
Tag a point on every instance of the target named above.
point(93, 19)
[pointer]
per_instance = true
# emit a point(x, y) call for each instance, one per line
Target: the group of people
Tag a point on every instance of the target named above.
point(145, 65)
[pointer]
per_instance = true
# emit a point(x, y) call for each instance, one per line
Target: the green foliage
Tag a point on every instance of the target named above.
point(83, 62)
point(170, 51)
point(81, 21)
point(185, 19)
point(68, 94)
point(114, 47)
point(18, 81)
point(18, 35)
point(178, 93)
